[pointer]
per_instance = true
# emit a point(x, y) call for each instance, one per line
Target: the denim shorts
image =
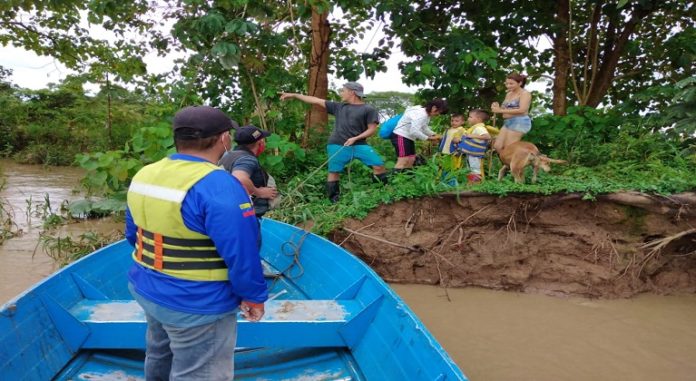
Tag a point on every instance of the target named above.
point(519, 124)
point(340, 156)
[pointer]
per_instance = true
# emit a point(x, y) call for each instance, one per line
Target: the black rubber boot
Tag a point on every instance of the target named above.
point(405, 171)
point(333, 190)
point(381, 178)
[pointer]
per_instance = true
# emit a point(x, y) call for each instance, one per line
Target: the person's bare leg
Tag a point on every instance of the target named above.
point(404, 162)
point(499, 142)
point(512, 137)
point(378, 169)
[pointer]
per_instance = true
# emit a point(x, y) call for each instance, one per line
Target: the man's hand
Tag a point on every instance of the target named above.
point(266, 192)
point(252, 311)
point(286, 96)
point(434, 137)
point(350, 141)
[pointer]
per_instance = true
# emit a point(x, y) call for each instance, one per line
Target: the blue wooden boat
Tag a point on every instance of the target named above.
point(331, 318)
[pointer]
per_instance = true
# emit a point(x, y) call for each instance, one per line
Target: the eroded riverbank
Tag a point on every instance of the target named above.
point(491, 335)
point(556, 245)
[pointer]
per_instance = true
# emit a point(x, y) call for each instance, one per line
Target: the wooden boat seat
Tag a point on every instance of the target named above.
point(120, 324)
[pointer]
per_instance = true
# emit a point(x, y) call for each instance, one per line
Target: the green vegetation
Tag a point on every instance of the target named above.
point(50, 126)
point(621, 110)
point(8, 227)
point(66, 249)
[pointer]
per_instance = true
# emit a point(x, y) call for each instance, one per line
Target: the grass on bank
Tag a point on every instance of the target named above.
point(304, 201)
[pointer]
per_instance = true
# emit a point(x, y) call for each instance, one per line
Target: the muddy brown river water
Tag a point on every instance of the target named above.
point(491, 335)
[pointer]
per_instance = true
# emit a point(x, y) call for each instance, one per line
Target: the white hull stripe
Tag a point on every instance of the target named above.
point(156, 191)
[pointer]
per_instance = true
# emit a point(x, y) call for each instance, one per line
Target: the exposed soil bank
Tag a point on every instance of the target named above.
point(558, 244)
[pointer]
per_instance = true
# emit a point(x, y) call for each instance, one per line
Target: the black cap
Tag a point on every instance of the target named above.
point(250, 134)
point(195, 122)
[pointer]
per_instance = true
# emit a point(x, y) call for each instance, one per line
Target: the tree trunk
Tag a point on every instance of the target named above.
point(607, 70)
point(108, 109)
point(561, 59)
point(318, 86)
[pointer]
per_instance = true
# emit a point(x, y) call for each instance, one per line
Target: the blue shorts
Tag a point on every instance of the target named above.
point(519, 124)
point(363, 152)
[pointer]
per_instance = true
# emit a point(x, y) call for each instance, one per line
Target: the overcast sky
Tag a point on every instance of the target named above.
point(35, 72)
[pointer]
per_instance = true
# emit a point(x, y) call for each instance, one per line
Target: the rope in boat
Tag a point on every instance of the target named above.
point(295, 251)
point(293, 248)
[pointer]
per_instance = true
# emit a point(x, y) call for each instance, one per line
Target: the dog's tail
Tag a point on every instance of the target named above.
point(550, 160)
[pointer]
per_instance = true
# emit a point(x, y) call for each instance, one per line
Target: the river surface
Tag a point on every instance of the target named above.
point(491, 335)
point(27, 189)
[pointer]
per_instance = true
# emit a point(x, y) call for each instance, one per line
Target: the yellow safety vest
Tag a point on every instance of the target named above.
point(164, 243)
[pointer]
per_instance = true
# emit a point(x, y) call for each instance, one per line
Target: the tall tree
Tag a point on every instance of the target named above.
point(318, 84)
point(561, 59)
point(601, 50)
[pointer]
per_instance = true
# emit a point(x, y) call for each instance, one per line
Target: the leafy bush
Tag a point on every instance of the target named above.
point(110, 172)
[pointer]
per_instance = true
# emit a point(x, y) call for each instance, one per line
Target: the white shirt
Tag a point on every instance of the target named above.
point(414, 124)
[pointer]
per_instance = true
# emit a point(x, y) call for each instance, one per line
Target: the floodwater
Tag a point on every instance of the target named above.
point(491, 335)
point(27, 189)
point(498, 335)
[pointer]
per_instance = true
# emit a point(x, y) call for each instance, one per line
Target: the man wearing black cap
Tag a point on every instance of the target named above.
point(196, 259)
point(355, 122)
point(243, 163)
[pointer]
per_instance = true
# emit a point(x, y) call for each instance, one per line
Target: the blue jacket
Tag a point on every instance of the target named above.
point(211, 207)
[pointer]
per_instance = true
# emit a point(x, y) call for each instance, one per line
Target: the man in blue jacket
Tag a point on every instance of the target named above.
point(196, 259)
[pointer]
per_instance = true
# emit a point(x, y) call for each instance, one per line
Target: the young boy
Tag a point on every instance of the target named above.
point(451, 139)
point(474, 143)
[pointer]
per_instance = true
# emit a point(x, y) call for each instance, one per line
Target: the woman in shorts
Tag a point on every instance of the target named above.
point(515, 109)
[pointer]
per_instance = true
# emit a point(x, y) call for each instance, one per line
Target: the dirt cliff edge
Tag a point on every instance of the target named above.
point(615, 246)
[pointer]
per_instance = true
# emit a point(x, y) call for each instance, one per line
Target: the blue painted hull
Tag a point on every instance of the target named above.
point(333, 319)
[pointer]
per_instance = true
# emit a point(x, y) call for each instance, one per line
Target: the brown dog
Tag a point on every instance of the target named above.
point(517, 156)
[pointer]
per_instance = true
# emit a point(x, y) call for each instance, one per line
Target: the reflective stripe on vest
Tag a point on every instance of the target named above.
point(164, 243)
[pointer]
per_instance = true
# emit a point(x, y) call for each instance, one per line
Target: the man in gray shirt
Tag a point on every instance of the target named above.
point(355, 122)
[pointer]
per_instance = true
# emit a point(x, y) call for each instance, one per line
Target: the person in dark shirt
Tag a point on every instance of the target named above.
point(355, 122)
point(243, 163)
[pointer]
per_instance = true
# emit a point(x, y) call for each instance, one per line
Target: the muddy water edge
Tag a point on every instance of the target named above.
point(28, 191)
point(491, 335)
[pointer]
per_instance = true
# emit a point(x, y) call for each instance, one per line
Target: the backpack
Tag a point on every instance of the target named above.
point(388, 126)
